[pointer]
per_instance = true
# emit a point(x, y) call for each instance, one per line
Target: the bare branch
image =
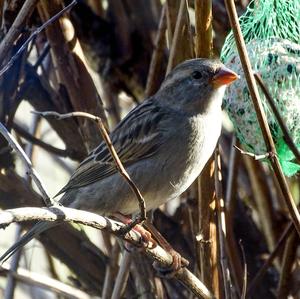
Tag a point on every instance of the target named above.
point(31, 37)
point(44, 282)
point(15, 29)
point(87, 218)
point(31, 171)
point(287, 138)
point(282, 240)
point(254, 156)
point(157, 56)
point(113, 153)
point(122, 277)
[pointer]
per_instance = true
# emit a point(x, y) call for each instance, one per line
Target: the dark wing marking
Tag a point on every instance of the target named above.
point(136, 137)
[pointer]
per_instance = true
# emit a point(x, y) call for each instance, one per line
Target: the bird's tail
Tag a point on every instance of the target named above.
point(35, 231)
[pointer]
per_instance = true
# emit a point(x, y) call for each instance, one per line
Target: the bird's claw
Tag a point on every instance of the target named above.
point(169, 271)
point(146, 240)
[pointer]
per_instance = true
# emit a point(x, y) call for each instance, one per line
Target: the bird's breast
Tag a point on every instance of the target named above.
point(196, 148)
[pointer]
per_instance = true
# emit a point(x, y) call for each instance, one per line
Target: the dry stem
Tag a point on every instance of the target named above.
point(289, 229)
point(10, 37)
point(31, 171)
point(222, 229)
point(113, 153)
point(233, 17)
point(94, 220)
point(287, 138)
point(44, 282)
point(16, 28)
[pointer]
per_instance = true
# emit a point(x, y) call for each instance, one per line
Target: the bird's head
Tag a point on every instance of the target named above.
point(196, 85)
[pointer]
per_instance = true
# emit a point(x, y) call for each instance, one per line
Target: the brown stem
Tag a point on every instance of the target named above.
point(181, 49)
point(287, 264)
point(156, 60)
point(122, 277)
point(17, 26)
point(111, 272)
point(222, 226)
point(289, 229)
point(206, 227)
point(262, 119)
point(11, 38)
point(203, 27)
point(263, 200)
point(71, 71)
point(31, 171)
point(114, 155)
point(287, 138)
point(230, 199)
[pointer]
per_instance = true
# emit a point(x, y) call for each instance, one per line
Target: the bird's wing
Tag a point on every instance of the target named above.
point(136, 137)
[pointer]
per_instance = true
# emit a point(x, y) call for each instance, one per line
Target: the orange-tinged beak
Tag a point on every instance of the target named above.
point(224, 76)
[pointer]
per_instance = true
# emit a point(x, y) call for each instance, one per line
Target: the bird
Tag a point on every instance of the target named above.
point(164, 143)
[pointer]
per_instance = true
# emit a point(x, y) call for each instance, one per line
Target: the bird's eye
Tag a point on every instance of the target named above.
point(196, 75)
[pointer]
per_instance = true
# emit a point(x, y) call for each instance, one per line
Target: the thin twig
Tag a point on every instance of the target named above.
point(111, 272)
point(11, 282)
point(261, 116)
point(222, 230)
point(31, 171)
point(157, 55)
point(113, 153)
point(287, 138)
point(262, 271)
point(230, 201)
point(254, 156)
point(122, 277)
point(16, 28)
point(42, 56)
point(33, 35)
point(99, 222)
point(244, 293)
point(263, 200)
point(288, 260)
point(38, 280)
point(177, 35)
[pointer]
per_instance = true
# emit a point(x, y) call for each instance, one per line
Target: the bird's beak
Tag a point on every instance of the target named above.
point(224, 76)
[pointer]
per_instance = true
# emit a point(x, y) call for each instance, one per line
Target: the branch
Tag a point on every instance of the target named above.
point(254, 156)
point(157, 56)
point(113, 153)
point(87, 218)
point(47, 283)
point(203, 28)
point(262, 271)
point(16, 28)
point(10, 37)
point(261, 116)
point(287, 138)
point(30, 170)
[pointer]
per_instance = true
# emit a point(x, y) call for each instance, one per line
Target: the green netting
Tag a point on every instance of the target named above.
point(272, 34)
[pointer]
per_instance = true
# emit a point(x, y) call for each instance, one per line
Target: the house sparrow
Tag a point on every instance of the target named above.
point(164, 143)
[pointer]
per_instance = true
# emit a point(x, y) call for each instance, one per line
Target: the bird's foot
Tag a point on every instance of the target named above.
point(177, 263)
point(146, 240)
